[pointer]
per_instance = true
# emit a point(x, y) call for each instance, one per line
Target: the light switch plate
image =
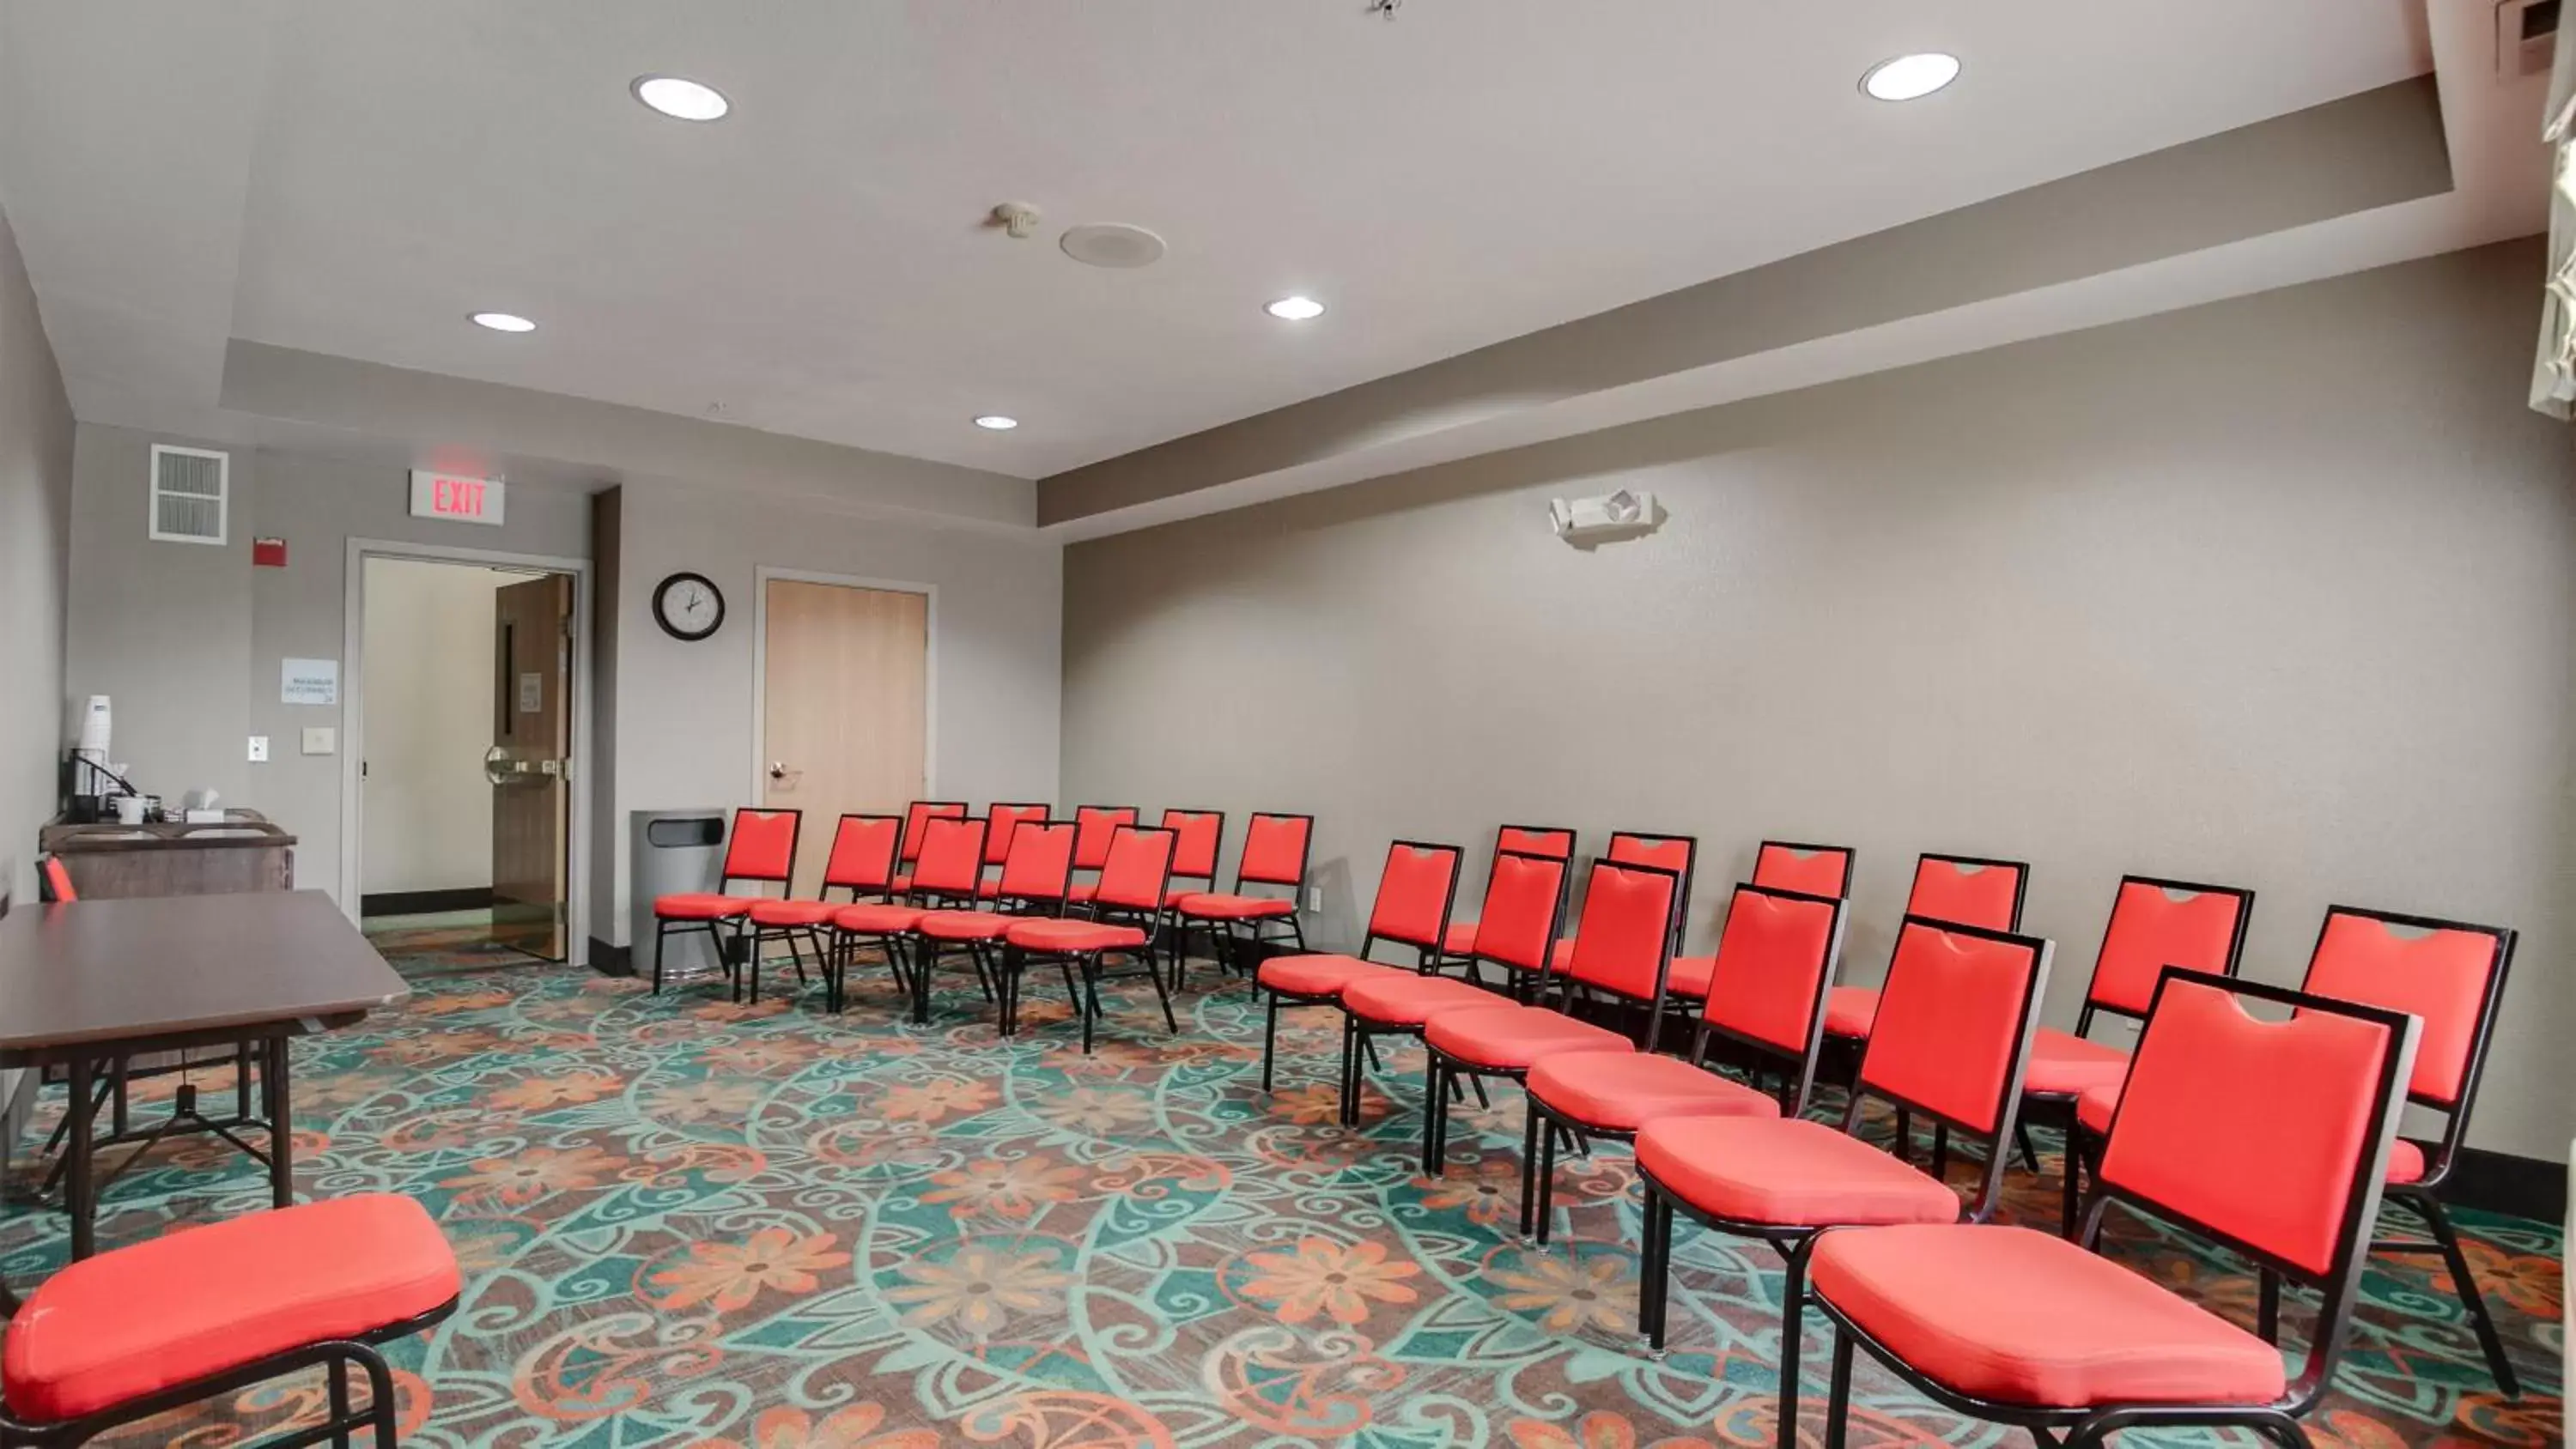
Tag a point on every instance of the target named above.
point(259, 749)
point(320, 739)
point(1314, 898)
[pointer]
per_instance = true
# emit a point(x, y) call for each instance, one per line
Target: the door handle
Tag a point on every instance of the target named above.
point(780, 774)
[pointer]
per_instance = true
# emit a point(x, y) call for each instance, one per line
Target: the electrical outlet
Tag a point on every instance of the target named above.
point(320, 739)
point(1314, 898)
point(259, 749)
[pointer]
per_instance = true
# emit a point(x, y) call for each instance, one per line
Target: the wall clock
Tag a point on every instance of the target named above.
point(688, 606)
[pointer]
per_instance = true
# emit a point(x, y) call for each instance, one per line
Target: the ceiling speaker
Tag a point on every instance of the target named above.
point(1113, 245)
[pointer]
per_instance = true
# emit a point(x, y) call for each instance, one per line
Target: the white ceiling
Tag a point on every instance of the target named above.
point(353, 177)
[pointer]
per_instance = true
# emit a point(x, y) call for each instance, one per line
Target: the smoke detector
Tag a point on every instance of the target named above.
point(1113, 244)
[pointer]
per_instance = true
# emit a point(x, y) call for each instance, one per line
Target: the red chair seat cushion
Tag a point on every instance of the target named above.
point(2406, 1163)
point(1209, 907)
point(963, 925)
point(793, 913)
point(1690, 976)
point(876, 920)
point(1789, 1172)
point(701, 906)
point(111, 1329)
point(1623, 1091)
point(2024, 1317)
point(1850, 1011)
point(1404, 999)
point(1515, 1038)
point(1461, 938)
point(2062, 1064)
point(1074, 936)
point(1318, 976)
point(1172, 898)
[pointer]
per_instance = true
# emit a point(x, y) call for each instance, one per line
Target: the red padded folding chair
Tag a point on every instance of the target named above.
point(1764, 1001)
point(1619, 962)
point(761, 850)
point(1125, 916)
point(201, 1314)
point(2268, 1138)
point(1524, 906)
point(946, 870)
point(1414, 894)
point(1239, 923)
point(1093, 828)
point(1198, 838)
point(1964, 890)
point(2450, 975)
point(1550, 842)
point(1954, 1035)
point(1000, 822)
point(2154, 924)
point(861, 862)
point(915, 816)
point(1033, 882)
point(1816, 870)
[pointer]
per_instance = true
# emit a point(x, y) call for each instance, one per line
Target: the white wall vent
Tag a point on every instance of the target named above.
point(191, 492)
point(2526, 37)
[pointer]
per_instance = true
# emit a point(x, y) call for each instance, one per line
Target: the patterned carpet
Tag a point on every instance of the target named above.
point(686, 1223)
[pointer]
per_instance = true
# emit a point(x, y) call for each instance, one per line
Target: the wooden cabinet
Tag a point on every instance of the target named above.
point(108, 861)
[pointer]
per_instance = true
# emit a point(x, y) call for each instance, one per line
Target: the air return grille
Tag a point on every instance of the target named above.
point(191, 488)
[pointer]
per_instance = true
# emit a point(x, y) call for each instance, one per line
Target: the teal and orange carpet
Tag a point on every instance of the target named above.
point(687, 1223)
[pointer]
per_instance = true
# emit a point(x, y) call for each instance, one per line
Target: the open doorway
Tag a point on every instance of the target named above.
point(464, 760)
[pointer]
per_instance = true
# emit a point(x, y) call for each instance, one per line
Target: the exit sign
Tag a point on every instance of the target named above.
point(456, 498)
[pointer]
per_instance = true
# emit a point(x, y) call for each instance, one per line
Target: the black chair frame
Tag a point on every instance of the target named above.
point(731, 937)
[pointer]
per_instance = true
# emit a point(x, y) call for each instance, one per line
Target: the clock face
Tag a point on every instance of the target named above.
point(688, 606)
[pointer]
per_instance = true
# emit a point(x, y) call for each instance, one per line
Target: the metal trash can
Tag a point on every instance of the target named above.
point(671, 852)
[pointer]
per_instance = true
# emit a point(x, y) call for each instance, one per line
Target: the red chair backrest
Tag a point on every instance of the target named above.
point(2264, 1132)
point(1274, 850)
point(2159, 923)
point(57, 879)
point(1816, 870)
point(1675, 853)
point(951, 862)
point(1775, 962)
point(1965, 891)
point(1197, 834)
point(1553, 841)
point(1005, 820)
point(919, 814)
point(1094, 825)
point(1414, 894)
point(1137, 869)
point(1040, 865)
point(763, 846)
point(863, 848)
point(1524, 907)
point(1954, 1022)
point(2448, 973)
point(1626, 942)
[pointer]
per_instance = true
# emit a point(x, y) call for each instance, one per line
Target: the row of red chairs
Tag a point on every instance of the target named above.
point(1951, 1036)
point(920, 888)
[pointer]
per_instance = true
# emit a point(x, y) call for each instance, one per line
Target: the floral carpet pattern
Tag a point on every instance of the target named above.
point(688, 1223)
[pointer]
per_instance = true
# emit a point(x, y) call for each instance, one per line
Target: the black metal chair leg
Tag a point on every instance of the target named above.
point(2267, 1306)
point(2429, 1208)
point(660, 929)
point(1529, 1167)
point(1793, 1300)
point(2029, 1151)
point(1838, 1404)
point(1546, 1181)
point(1269, 1028)
point(1478, 1084)
point(339, 1391)
point(1170, 1022)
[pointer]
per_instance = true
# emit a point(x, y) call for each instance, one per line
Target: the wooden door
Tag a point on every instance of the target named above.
point(531, 750)
point(845, 707)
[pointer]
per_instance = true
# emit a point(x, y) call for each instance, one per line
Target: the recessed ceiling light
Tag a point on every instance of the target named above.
point(997, 423)
point(681, 100)
point(1910, 77)
point(504, 322)
point(1295, 309)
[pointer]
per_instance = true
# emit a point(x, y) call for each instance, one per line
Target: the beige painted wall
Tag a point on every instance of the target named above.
point(425, 805)
point(2275, 592)
point(684, 711)
point(35, 544)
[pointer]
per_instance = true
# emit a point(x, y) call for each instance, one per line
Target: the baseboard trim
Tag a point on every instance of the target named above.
point(610, 960)
point(2501, 1182)
point(422, 903)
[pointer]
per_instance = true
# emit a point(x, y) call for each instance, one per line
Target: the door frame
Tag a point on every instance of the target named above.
point(761, 576)
point(353, 718)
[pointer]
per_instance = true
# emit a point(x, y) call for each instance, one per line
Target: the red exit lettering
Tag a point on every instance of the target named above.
point(458, 495)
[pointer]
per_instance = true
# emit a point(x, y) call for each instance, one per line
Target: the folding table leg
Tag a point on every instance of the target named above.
point(281, 1128)
point(77, 1187)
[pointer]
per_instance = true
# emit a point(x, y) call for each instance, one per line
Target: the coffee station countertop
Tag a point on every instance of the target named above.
point(107, 860)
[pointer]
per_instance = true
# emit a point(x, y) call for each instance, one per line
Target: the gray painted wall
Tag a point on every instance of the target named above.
point(2275, 592)
point(684, 711)
point(35, 549)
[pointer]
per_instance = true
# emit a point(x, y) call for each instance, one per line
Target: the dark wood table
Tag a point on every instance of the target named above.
point(91, 984)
